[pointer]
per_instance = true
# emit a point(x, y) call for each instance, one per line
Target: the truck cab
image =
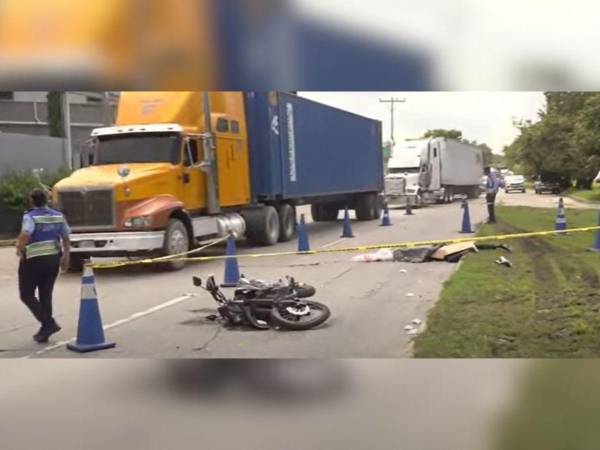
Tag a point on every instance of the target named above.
point(158, 181)
point(413, 171)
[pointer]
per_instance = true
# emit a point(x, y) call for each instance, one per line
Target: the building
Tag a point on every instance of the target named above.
point(26, 112)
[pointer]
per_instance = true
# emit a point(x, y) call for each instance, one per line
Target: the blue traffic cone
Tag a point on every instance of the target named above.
point(347, 226)
point(596, 247)
point(90, 333)
point(232, 269)
point(303, 244)
point(561, 219)
point(385, 218)
point(466, 218)
point(408, 211)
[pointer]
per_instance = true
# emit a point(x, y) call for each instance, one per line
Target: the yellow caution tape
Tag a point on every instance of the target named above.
point(361, 248)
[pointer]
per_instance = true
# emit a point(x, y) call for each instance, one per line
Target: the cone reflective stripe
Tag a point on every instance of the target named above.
point(347, 226)
point(596, 246)
point(466, 218)
point(232, 269)
point(385, 218)
point(561, 219)
point(90, 333)
point(303, 242)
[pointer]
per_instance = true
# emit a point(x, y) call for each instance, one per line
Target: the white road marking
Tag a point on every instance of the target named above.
point(117, 323)
point(332, 243)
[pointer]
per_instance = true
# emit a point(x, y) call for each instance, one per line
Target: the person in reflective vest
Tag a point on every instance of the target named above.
point(43, 248)
point(492, 185)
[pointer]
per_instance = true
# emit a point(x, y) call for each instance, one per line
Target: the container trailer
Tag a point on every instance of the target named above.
point(180, 168)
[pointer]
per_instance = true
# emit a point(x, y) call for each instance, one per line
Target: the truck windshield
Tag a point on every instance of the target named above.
point(138, 149)
point(403, 170)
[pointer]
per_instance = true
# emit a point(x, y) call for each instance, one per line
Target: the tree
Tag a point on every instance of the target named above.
point(564, 141)
point(440, 132)
point(587, 139)
point(55, 116)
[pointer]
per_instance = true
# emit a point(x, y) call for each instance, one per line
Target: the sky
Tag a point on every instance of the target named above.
point(481, 116)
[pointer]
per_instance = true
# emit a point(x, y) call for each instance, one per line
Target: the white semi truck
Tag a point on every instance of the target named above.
point(433, 170)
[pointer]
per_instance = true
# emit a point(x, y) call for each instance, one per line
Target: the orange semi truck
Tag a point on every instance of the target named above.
point(179, 168)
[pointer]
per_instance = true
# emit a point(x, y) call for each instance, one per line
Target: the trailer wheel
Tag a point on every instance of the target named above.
point(287, 222)
point(262, 225)
point(473, 193)
point(367, 207)
point(176, 241)
point(324, 212)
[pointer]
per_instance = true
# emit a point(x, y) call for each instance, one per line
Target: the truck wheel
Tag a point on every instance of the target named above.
point(177, 240)
point(324, 212)
point(448, 196)
point(262, 225)
point(367, 207)
point(287, 222)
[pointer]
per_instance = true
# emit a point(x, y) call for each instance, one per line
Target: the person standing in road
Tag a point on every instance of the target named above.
point(43, 248)
point(492, 185)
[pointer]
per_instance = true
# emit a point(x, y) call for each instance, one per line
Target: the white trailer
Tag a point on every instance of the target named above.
point(433, 170)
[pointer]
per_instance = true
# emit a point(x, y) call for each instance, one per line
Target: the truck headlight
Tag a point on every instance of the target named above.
point(138, 222)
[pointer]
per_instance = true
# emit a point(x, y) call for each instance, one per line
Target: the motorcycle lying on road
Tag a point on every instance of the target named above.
point(265, 305)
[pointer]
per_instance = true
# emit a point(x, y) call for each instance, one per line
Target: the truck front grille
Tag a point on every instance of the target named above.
point(88, 209)
point(395, 185)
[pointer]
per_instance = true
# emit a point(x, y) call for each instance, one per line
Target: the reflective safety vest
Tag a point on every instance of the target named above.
point(45, 239)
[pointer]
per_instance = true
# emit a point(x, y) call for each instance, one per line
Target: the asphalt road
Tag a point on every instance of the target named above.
point(153, 314)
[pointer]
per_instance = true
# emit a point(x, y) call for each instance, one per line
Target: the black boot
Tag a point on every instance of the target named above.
point(41, 337)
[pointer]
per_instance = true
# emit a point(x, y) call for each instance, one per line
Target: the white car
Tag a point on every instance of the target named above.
point(514, 183)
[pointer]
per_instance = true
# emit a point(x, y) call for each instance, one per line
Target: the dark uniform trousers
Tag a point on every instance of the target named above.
point(39, 273)
point(490, 199)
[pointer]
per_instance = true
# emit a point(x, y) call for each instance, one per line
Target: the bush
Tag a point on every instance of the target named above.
point(16, 185)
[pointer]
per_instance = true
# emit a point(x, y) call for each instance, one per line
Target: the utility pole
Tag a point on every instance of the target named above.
point(392, 101)
point(66, 115)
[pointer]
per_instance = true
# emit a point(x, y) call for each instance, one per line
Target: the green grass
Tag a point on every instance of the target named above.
point(592, 195)
point(546, 305)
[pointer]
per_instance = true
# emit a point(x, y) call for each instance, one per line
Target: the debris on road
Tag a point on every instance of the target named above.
point(447, 250)
point(413, 332)
point(409, 327)
point(403, 271)
point(417, 321)
point(451, 253)
point(385, 254)
point(410, 294)
point(503, 261)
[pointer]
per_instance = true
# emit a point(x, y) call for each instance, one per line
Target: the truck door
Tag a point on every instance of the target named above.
point(434, 166)
point(192, 177)
point(424, 169)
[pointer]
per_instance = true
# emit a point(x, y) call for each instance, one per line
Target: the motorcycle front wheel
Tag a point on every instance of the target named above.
point(299, 315)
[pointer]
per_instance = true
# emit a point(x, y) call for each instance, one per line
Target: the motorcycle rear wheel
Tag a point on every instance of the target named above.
point(282, 317)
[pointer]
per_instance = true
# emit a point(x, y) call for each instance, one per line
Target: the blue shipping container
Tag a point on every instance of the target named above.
point(301, 149)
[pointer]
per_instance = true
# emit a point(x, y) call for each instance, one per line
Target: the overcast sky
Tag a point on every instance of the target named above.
point(481, 116)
